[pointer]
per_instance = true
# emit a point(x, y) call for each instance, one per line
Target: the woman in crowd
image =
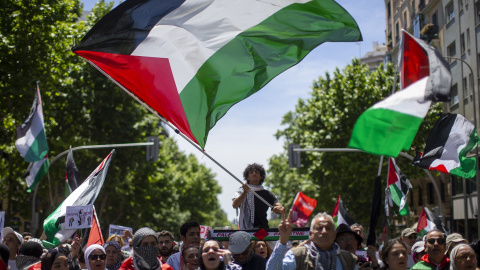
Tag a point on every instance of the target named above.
point(55, 260)
point(95, 257)
point(394, 255)
point(262, 248)
point(114, 255)
point(189, 259)
point(214, 257)
point(117, 238)
point(462, 257)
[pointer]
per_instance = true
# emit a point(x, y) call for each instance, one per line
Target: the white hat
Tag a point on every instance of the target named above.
point(239, 241)
point(418, 247)
point(8, 230)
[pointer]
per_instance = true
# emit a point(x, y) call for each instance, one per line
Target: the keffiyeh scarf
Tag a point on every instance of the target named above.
point(145, 258)
point(324, 259)
point(247, 208)
point(117, 264)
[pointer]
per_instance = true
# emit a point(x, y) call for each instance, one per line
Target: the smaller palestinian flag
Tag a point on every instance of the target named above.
point(398, 187)
point(72, 179)
point(31, 139)
point(427, 221)
point(448, 144)
point(93, 235)
point(35, 172)
point(86, 193)
point(389, 126)
point(340, 214)
point(302, 207)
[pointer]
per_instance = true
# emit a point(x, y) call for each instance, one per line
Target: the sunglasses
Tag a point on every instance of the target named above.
point(412, 236)
point(432, 241)
point(96, 257)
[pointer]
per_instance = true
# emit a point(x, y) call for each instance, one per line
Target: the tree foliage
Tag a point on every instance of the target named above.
point(326, 120)
point(82, 107)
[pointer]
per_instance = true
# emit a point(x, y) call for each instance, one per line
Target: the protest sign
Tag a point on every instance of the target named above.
point(118, 230)
point(204, 230)
point(79, 217)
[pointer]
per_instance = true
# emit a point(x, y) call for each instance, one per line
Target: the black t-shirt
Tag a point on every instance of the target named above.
point(260, 218)
point(256, 263)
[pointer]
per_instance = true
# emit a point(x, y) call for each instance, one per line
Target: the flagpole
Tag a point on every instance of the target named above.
point(176, 131)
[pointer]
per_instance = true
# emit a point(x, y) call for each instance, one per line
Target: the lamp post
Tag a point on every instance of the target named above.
point(477, 177)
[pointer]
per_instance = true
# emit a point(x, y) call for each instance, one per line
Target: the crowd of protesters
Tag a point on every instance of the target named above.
point(328, 247)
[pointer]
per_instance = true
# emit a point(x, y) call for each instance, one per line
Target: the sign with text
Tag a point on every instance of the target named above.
point(271, 234)
point(79, 217)
point(204, 230)
point(118, 230)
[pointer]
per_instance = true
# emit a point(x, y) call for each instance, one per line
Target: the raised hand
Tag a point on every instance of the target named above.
point(285, 228)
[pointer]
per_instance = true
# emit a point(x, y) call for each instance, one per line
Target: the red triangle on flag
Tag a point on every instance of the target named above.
point(95, 236)
point(261, 234)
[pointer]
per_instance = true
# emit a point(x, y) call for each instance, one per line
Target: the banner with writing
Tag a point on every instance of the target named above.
point(118, 230)
point(264, 235)
point(79, 217)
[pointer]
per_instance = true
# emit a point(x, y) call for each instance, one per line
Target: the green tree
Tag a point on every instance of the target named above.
point(326, 120)
point(83, 107)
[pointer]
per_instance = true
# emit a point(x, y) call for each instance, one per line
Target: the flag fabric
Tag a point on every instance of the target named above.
point(398, 186)
point(302, 207)
point(72, 179)
point(92, 235)
point(389, 126)
point(340, 214)
point(427, 221)
point(448, 144)
point(375, 210)
point(192, 60)
point(86, 193)
point(35, 172)
point(31, 139)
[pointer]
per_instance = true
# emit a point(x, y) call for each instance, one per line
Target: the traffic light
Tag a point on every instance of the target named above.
point(294, 156)
point(152, 150)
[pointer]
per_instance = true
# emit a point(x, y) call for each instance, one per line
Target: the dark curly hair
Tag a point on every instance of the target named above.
point(386, 249)
point(257, 167)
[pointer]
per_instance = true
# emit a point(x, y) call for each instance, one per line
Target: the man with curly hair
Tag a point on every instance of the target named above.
point(253, 211)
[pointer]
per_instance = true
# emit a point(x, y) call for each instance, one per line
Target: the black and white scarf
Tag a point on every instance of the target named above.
point(247, 208)
point(324, 259)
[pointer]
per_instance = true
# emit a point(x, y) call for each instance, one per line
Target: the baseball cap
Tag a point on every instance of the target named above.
point(418, 247)
point(8, 230)
point(408, 231)
point(239, 241)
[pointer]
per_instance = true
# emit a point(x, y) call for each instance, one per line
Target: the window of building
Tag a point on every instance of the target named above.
point(471, 82)
point(411, 203)
point(449, 12)
point(389, 12)
point(460, 4)
point(420, 196)
point(434, 18)
point(430, 199)
point(477, 13)
point(457, 185)
point(462, 43)
point(442, 191)
point(413, 7)
point(405, 20)
point(397, 33)
point(454, 95)
point(451, 52)
point(465, 87)
point(468, 38)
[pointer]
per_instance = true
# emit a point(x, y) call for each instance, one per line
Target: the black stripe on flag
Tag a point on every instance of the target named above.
point(25, 126)
point(436, 141)
point(126, 26)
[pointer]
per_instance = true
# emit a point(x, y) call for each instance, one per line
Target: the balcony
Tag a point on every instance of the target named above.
point(429, 32)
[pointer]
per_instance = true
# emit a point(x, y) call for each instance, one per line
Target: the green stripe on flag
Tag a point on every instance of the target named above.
point(253, 58)
point(38, 148)
point(397, 196)
point(384, 131)
point(467, 167)
point(40, 174)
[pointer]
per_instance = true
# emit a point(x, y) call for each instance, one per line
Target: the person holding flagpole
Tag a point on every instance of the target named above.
point(253, 212)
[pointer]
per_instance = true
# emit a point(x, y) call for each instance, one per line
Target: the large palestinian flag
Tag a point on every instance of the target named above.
point(86, 193)
point(390, 125)
point(448, 144)
point(191, 60)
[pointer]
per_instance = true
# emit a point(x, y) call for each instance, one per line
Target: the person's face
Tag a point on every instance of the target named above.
point(192, 237)
point(130, 243)
point(97, 259)
point(165, 245)
point(26, 238)
point(60, 263)
point(191, 258)
point(323, 233)
point(435, 246)
point(118, 240)
point(348, 242)
point(210, 257)
point(261, 249)
point(254, 177)
point(397, 258)
point(409, 240)
point(465, 259)
point(112, 255)
point(243, 257)
point(149, 241)
point(11, 241)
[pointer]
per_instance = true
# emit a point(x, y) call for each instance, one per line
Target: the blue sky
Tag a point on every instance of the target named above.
point(246, 133)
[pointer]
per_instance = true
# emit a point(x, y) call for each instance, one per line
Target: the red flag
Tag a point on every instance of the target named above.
point(94, 233)
point(302, 207)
